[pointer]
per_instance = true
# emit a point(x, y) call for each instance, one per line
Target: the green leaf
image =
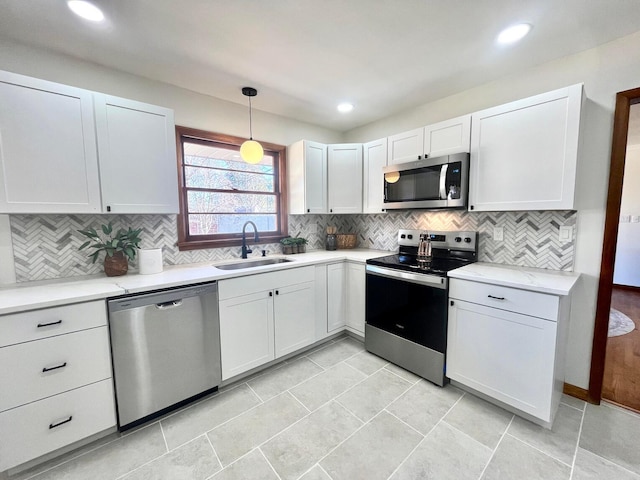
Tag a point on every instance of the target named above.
point(94, 256)
point(85, 244)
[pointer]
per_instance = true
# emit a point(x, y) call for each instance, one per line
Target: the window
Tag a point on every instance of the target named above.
point(220, 192)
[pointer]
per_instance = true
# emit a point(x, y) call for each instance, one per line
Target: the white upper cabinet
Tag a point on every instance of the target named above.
point(345, 178)
point(443, 138)
point(69, 150)
point(405, 146)
point(48, 158)
point(137, 156)
point(524, 154)
point(448, 137)
point(307, 177)
point(374, 158)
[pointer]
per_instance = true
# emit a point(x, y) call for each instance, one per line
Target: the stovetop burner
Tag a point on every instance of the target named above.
point(450, 250)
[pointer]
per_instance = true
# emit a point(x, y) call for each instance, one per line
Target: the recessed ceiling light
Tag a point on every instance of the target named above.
point(86, 10)
point(514, 33)
point(345, 107)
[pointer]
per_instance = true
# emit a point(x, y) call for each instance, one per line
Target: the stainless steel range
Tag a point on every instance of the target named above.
point(406, 299)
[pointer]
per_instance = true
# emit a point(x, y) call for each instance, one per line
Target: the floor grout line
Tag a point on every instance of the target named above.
point(166, 445)
point(575, 452)
point(613, 463)
point(269, 463)
point(322, 468)
point(574, 407)
point(538, 449)
point(256, 394)
point(214, 452)
point(493, 454)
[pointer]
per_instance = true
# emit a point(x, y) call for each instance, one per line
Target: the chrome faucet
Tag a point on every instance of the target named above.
point(246, 250)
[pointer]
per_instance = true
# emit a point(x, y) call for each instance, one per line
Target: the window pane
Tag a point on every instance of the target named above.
point(223, 157)
point(215, 224)
point(208, 202)
point(228, 180)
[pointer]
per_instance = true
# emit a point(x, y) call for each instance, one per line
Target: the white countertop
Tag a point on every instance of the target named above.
point(32, 295)
point(525, 278)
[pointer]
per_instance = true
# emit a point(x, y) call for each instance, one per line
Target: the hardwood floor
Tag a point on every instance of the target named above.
point(621, 382)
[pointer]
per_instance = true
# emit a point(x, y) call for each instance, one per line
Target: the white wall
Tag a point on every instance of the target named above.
point(191, 109)
point(627, 266)
point(604, 70)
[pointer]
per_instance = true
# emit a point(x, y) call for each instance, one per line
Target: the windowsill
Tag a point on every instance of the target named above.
point(227, 242)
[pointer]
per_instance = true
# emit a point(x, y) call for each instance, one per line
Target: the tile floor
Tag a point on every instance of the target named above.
point(338, 412)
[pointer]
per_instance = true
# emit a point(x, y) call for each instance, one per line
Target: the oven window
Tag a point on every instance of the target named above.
point(409, 310)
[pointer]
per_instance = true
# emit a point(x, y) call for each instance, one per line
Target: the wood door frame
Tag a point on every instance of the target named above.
point(624, 100)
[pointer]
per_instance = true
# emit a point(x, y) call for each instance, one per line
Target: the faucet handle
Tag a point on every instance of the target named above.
point(249, 250)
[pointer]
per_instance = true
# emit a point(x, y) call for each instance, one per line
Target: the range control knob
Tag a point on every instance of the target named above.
point(458, 239)
point(403, 236)
point(409, 236)
point(467, 239)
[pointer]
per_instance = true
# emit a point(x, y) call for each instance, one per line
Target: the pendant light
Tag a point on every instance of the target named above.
point(251, 151)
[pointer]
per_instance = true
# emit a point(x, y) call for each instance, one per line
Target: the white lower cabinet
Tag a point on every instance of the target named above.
point(355, 297)
point(336, 296)
point(512, 357)
point(58, 364)
point(265, 316)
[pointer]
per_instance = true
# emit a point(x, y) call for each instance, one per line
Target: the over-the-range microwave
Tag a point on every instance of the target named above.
point(439, 182)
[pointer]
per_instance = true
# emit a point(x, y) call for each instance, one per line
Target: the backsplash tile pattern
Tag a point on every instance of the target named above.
point(46, 246)
point(530, 238)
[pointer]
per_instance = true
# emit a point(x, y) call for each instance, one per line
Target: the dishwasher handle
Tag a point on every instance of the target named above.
point(168, 305)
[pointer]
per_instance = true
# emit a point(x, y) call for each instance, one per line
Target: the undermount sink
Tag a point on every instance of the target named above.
point(251, 263)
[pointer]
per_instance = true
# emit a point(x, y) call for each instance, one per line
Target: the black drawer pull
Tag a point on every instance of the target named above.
point(495, 298)
point(54, 425)
point(48, 369)
point(40, 325)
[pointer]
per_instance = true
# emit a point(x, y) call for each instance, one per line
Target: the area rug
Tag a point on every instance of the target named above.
point(619, 323)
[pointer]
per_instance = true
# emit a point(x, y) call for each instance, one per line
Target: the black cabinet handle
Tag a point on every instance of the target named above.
point(48, 369)
point(471, 207)
point(40, 325)
point(277, 292)
point(54, 425)
point(452, 303)
point(495, 298)
point(271, 294)
point(308, 210)
point(331, 209)
point(108, 208)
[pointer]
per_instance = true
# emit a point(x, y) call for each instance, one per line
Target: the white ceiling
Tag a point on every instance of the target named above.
point(306, 56)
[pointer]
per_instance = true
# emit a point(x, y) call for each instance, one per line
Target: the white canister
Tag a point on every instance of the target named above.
point(149, 260)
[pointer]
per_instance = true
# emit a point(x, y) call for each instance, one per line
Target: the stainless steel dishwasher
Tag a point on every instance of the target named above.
point(166, 350)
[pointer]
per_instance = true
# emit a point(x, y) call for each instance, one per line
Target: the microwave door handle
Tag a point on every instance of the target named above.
point(443, 182)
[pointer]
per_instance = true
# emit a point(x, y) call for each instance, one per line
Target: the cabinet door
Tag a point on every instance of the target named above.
point(246, 332)
point(48, 158)
point(307, 177)
point(137, 155)
point(524, 154)
point(375, 157)
point(405, 146)
point(336, 296)
point(345, 178)
point(505, 355)
point(355, 297)
point(448, 137)
point(294, 309)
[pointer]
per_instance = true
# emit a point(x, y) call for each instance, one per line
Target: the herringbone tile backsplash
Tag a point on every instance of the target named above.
point(46, 246)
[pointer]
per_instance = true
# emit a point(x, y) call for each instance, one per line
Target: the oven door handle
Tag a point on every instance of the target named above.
point(419, 278)
point(443, 181)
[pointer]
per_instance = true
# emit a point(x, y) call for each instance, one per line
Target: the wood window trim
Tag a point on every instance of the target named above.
point(186, 243)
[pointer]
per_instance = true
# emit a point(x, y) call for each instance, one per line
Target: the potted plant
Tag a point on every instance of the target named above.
point(300, 244)
point(119, 247)
point(288, 245)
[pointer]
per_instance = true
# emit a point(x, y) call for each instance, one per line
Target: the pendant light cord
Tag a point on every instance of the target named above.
point(250, 122)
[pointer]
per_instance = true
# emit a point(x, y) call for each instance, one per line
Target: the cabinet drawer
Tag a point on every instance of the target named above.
point(506, 298)
point(250, 284)
point(30, 431)
point(70, 361)
point(47, 322)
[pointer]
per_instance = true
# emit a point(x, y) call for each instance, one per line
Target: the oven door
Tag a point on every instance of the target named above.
point(410, 305)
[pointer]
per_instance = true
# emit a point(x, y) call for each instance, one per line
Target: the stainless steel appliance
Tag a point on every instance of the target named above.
point(406, 299)
point(166, 350)
point(440, 182)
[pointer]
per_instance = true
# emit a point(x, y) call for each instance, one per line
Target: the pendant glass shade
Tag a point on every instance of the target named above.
point(392, 177)
point(251, 151)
